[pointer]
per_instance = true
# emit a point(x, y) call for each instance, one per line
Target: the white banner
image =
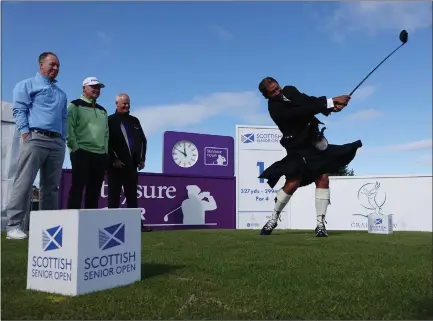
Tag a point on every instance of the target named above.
point(407, 198)
point(257, 147)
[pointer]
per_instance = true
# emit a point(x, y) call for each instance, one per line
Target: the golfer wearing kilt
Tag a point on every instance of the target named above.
point(309, 157)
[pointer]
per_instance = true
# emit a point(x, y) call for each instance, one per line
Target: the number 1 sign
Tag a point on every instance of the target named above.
point(256, 148)
point(261, 166)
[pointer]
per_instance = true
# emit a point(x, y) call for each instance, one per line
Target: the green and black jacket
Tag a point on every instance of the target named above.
point(87, 126)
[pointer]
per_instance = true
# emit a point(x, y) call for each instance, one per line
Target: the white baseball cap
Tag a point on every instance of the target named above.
point(90, 81)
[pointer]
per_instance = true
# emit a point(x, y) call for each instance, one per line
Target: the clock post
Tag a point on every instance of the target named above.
point(198, 154)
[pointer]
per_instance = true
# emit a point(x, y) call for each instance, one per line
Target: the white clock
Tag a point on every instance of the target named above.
point(184, 153)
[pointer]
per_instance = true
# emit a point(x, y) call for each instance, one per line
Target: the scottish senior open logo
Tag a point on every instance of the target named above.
point(261, 137)
point(111, 236)
point(101, 265)
point(247, 138)
point(51, 266)
point(52, 238)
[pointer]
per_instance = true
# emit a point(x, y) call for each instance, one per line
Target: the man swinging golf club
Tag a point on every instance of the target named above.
point(309, 156)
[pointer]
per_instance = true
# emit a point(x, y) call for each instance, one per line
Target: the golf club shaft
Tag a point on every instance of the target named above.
point(375, 69)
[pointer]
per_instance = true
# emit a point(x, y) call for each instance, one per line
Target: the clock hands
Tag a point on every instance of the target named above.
point(183, 153)
point(189, 154)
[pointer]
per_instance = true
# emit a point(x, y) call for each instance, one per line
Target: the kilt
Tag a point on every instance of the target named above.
point(307, 162)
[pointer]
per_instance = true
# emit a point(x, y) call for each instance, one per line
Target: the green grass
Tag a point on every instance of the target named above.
point(205, 274)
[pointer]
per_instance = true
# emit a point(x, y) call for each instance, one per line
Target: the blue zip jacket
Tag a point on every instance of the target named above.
point(38, 103)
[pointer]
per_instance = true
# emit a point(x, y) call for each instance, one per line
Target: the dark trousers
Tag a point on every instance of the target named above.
point(126, 177)
point(88, 170)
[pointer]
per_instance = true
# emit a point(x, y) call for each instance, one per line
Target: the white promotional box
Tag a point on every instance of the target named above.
point(380, 224)
point(72, 252)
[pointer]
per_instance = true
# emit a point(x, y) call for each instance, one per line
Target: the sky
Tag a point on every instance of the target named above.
point(195, 66)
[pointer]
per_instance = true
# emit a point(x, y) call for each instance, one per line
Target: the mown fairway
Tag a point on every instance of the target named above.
point(205, 274)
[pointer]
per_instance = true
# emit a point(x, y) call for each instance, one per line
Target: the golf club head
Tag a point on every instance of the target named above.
point(404, 36)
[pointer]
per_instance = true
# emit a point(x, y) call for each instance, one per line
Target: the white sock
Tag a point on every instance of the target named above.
point(322, 202)
point(282, 200)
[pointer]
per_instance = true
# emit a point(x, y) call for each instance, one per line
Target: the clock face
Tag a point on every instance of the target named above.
point(185, 154)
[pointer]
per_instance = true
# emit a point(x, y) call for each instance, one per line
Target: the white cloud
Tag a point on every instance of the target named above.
point(362, 115)
point(243, 105)
point(365, 114)
point(374, 16)
point(426, 159)
point(258, 119)
point(222, 32)
point(363, 93)
point(425, 144)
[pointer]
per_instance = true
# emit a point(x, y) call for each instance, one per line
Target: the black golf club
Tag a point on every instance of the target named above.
point(403, 38)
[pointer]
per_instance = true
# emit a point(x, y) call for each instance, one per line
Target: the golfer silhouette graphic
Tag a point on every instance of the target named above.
point(221, 160)
point(195, 206)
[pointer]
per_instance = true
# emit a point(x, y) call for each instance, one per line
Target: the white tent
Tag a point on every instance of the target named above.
point(10, 140)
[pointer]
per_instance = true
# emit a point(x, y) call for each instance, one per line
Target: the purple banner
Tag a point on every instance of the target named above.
point(198, 154)
point(175, 202)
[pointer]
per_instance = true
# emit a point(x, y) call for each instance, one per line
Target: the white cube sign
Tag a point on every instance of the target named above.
point(380, 224)
point(72, 252)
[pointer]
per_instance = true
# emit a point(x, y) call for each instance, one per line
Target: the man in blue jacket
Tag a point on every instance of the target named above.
point(40, 111)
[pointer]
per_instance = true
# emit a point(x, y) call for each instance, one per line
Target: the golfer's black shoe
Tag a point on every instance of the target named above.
point(321, 230)
point(268, 228)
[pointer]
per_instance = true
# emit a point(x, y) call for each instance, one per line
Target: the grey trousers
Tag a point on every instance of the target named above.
point(38, 152)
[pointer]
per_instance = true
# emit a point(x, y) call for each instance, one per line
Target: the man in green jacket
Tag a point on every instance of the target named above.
point(87, 141)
